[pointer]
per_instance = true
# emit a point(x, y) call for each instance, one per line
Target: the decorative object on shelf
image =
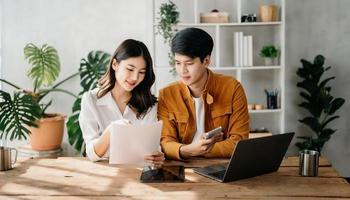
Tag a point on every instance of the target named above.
point(214, 17)
point(91, 69)
point(268, 13)
point(258, 107)
point(255, 107)
point(251, 106)
point(271, 99)
point(317, 99)
point(269, 53)
point(166, 27)
point(259, 132)
point(249, 18)
point(25, 113)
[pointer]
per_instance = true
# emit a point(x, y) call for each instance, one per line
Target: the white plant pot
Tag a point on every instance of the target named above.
point(270, 61)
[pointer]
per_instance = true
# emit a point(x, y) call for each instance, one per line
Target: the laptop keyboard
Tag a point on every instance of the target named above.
point(219, 174)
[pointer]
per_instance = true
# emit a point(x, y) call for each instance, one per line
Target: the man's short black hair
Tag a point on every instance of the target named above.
point(192, 42)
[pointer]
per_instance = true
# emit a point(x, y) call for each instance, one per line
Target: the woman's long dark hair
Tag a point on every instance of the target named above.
point(141, 97)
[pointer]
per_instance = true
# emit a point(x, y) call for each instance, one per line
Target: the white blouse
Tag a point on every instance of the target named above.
point(96, 115)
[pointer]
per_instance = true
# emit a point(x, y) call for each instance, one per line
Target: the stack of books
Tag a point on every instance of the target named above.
point(243, 49)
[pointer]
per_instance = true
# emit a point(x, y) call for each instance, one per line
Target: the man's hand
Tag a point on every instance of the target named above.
point(201, 146)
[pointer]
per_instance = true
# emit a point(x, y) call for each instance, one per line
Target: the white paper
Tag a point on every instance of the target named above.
point(130, 143)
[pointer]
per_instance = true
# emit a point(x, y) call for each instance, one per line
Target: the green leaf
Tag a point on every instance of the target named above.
point(75, 136)
point(326, 133)
point(324, 124)
point(268, 51)
point(167, 21)
point(335, 105)
point(45, 64)
point(312, 108)
point(318, 100)
point(16, 114)
point(309, 85)
point(304, 137)
point(92, 69)
point(312, 123)
point(324, 82)
point(319, 60)
point(305, 96)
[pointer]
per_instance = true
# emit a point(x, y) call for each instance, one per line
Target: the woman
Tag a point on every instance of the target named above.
point(124, 96)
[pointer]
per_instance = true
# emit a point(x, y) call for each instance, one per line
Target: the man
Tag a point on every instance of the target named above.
point(200, 102)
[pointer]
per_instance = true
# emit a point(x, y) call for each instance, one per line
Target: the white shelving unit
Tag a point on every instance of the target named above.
point(254, 78)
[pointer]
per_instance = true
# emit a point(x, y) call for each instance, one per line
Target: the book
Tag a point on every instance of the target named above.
point(250, 50)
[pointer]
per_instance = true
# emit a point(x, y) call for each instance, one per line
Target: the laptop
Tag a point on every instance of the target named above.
point(251, 157)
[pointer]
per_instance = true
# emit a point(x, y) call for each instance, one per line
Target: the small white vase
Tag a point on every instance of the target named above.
point(270, 61)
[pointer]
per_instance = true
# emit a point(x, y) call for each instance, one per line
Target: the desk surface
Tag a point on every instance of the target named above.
point(77, 178)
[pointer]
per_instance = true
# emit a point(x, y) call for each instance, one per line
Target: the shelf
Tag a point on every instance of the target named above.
point(266, 111)
point(228, 24)
point(228, 68)
point(254, 78)
point(245, 68)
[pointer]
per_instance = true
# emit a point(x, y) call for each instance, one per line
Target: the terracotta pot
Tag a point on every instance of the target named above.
point(268, 13)
point(49, 134)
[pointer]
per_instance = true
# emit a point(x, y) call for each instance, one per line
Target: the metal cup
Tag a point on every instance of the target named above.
point(6, 159)
point(308, 163)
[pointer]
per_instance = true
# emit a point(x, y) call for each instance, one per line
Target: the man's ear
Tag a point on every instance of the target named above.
point(207, 61)
point(115, 64)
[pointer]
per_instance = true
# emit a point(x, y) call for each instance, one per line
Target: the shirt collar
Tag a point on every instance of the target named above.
point(105, 100)
point(206, 92)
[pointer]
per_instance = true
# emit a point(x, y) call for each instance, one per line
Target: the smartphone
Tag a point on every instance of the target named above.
point(213, 132)
point(168, 174)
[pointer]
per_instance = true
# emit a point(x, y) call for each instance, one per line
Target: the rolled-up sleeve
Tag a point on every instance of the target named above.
point(169, 141)
point(238, 126)
point(89, 127)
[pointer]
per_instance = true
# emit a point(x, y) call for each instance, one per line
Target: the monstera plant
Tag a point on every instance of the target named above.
point(318, 101)
point(91, 69)
point(22, 113)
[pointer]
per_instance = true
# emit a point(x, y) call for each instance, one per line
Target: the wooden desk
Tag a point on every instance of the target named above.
point(77, 178)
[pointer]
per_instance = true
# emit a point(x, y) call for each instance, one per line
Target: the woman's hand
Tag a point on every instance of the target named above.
point(156, 159)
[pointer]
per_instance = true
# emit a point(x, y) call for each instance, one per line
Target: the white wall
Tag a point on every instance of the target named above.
point(74, 28)
point(320, 27)
point(77, 26)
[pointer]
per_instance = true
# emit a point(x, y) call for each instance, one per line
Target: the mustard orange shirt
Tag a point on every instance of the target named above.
point(225, 105)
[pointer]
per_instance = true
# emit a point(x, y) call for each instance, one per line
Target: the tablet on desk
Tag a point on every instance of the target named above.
point(131, 142)
point(162, 175)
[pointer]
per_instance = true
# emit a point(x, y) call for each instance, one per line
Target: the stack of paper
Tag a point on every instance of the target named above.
point(130, 143)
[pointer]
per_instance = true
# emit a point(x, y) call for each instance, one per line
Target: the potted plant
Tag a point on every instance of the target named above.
point(269, 53)
point(24, 113)
point(91, 70)
point(318, 101)
point(166, 27)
